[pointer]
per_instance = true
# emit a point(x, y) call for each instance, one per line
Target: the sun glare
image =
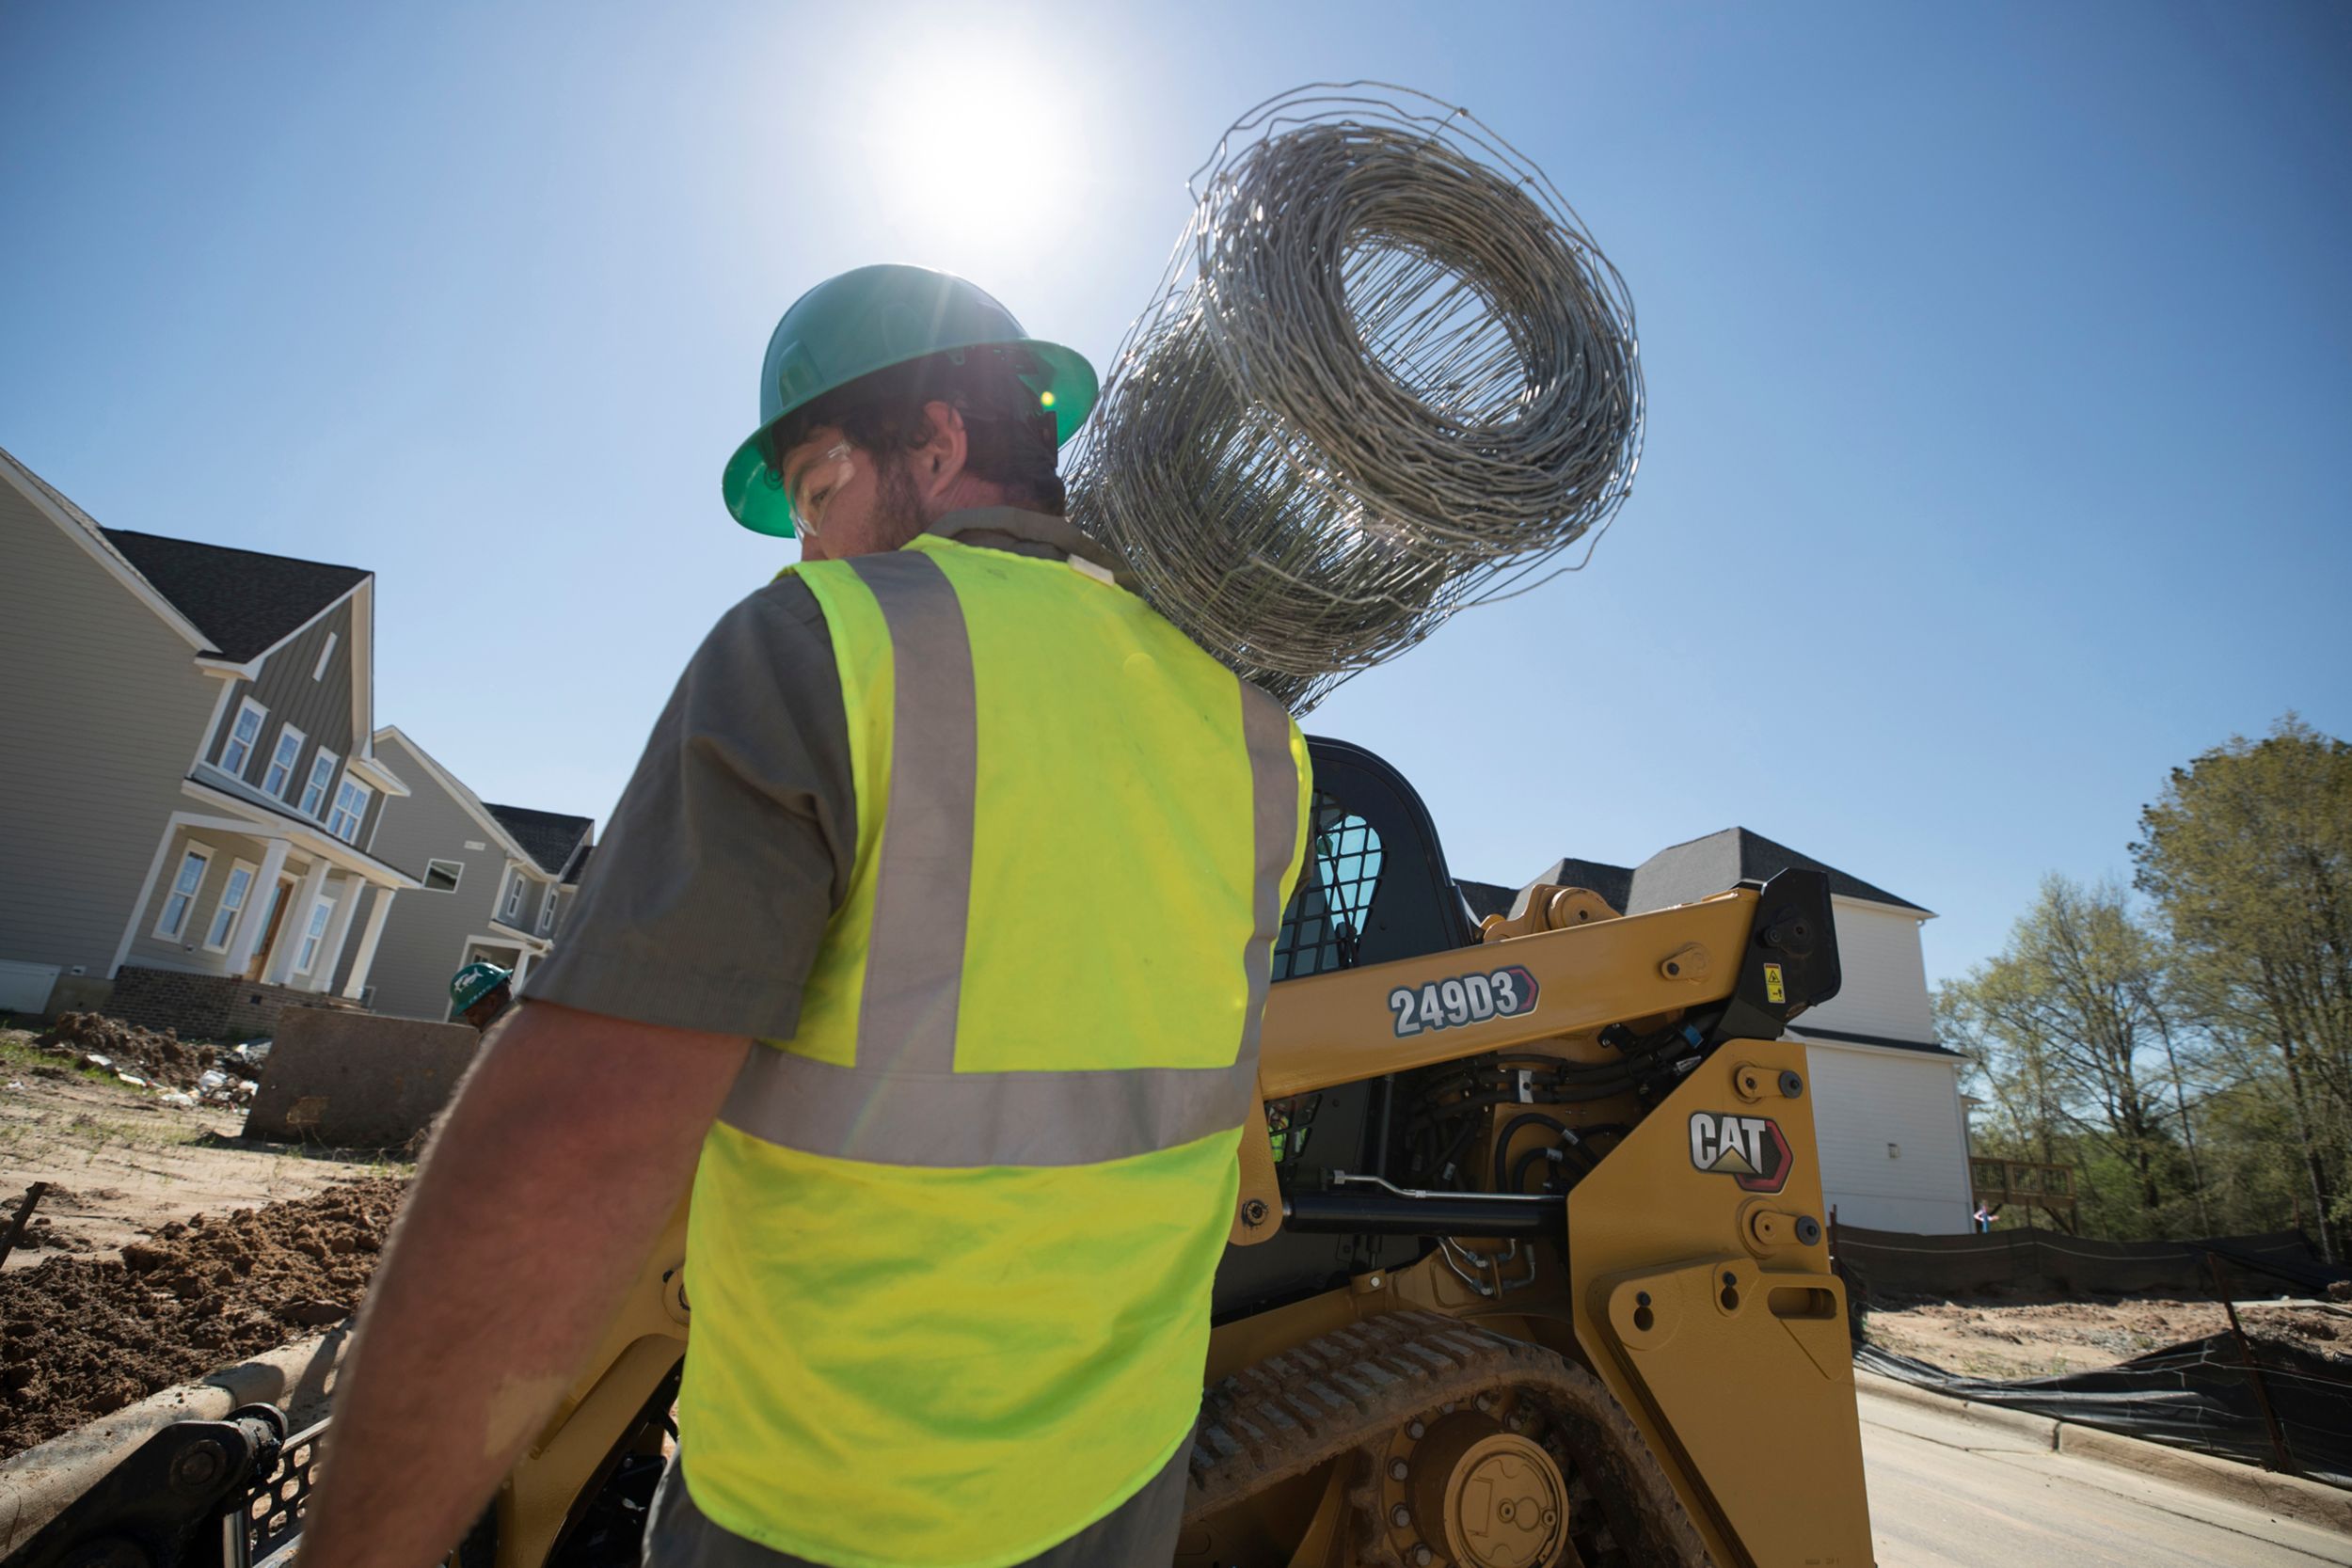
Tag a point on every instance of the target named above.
point(970, 151)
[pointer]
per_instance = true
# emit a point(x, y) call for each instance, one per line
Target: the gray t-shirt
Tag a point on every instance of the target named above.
point(710, 894)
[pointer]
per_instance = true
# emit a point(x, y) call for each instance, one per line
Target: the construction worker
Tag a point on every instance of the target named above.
point(480, 993)
point(935, 925)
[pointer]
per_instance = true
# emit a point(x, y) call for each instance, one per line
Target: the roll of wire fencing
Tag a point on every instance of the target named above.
point(1388, 376)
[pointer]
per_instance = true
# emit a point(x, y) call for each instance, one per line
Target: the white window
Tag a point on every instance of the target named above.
point(351, 808)
point(280, 776)
point(514, 909)
point(232, 897)
point(324, 654)
point(314, 934)
point(547, 912)
point(243, 736)
point(184, 886)
point(322, 780)
point(441, 876)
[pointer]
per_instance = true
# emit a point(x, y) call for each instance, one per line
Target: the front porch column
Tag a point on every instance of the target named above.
point(253, 918)
point(522, 968)
point(338, 929)
point(296, 924)
point(369, 937)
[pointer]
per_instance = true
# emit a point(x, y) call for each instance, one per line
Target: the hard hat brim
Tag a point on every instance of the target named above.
point(754, 492)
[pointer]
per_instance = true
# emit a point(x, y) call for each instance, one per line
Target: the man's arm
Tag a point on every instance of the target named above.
point(569, 1144)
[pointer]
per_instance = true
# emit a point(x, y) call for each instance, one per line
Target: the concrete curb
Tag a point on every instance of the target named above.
point(36, 1486)
point(2310, 1502)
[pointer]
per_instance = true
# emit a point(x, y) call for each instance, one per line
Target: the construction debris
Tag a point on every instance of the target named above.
point(86, 1336)
point(144, 1058)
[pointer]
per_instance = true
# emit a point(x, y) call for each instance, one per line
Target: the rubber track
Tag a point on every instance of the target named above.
point(1355, 1386)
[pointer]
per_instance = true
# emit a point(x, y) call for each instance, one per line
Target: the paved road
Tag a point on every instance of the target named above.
point(1946, 1493)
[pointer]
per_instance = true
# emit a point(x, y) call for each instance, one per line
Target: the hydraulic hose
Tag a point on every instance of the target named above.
point(1503, 1145)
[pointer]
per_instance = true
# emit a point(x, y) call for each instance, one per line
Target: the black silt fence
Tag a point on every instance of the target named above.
point(2037, 1260)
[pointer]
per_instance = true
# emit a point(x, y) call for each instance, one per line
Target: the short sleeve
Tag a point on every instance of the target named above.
point(705, 903)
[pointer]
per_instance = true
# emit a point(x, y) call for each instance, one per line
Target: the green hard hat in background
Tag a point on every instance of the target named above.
point(869, 320)
point(474, 982)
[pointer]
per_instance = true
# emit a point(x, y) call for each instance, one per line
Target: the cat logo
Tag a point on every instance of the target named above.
point(1751, 1151)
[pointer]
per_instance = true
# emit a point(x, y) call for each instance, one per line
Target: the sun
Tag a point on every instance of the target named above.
point(971, 155)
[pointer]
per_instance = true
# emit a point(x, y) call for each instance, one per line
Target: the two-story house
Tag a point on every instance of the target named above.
point(189, 792)
point(1887, 1111)
point(495, 882)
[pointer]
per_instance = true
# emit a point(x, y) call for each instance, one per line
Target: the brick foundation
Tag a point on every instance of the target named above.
point(209, 1007)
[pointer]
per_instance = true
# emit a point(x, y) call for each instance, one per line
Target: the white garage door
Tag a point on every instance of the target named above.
point(24, 987)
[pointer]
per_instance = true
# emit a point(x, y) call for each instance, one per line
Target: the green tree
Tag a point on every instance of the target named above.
point(2248, 855)
point(2075, 1033)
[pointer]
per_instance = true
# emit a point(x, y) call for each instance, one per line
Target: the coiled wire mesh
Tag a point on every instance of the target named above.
point(1387, 376)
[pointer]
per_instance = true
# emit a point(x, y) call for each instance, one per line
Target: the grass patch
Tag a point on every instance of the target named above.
point(102, 1131)
point(17, 1054)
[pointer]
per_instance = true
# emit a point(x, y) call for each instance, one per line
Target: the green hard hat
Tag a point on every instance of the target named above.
point(474, 982)
point(868, 320)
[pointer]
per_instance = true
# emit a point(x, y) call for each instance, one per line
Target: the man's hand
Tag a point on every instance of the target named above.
point(570, 1142)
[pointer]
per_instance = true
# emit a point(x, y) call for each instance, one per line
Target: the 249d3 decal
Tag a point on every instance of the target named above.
point(1463, 999)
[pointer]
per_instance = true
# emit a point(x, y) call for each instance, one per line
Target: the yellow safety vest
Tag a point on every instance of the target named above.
point(952, 1243)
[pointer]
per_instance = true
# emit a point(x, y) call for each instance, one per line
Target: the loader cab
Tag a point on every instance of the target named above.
point(1374, 886)
point(1374, 889)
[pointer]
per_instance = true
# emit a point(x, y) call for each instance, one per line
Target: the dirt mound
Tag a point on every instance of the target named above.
point(2004, 1337)
point(160, 1058)
point(80, 1337)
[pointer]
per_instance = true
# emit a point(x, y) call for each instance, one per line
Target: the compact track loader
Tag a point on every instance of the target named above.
point(1528, 1266)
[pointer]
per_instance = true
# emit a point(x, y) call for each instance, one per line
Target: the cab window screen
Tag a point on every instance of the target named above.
point(1323, 928)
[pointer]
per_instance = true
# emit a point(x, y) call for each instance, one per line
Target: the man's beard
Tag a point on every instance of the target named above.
point(897, 508)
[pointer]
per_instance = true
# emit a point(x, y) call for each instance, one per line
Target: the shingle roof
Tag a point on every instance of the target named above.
point(1485, 898)
point(573, 872)
point(1705, 866)
point(547, 836)
point(244, 600)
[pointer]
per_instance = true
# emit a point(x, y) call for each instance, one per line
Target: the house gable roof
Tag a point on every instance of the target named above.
point(245, 601)
point(1705, 866)
point(1686, 873)
point(78, 525)
point(550, 838)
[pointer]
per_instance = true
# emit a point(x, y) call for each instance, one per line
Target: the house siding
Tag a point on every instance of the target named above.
point(188, 951)
point(97, 743)
point(1884, 991)
point(424, 937)
point(321, 709)
point(1867, 1097)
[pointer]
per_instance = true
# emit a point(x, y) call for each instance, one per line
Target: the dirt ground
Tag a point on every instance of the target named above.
point(2006, 1338)
point(167, 1245)
point(121, 1164)
point(82, 1336)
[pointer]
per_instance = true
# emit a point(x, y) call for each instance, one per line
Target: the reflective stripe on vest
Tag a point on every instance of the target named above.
point(950, 1279)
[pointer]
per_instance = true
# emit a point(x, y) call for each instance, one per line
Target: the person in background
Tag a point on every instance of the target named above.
point(479, 993)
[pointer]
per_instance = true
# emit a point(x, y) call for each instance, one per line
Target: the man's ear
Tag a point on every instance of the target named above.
point(939, 461)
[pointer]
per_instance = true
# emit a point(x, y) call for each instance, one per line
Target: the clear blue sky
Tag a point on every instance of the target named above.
point(1999, 359)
